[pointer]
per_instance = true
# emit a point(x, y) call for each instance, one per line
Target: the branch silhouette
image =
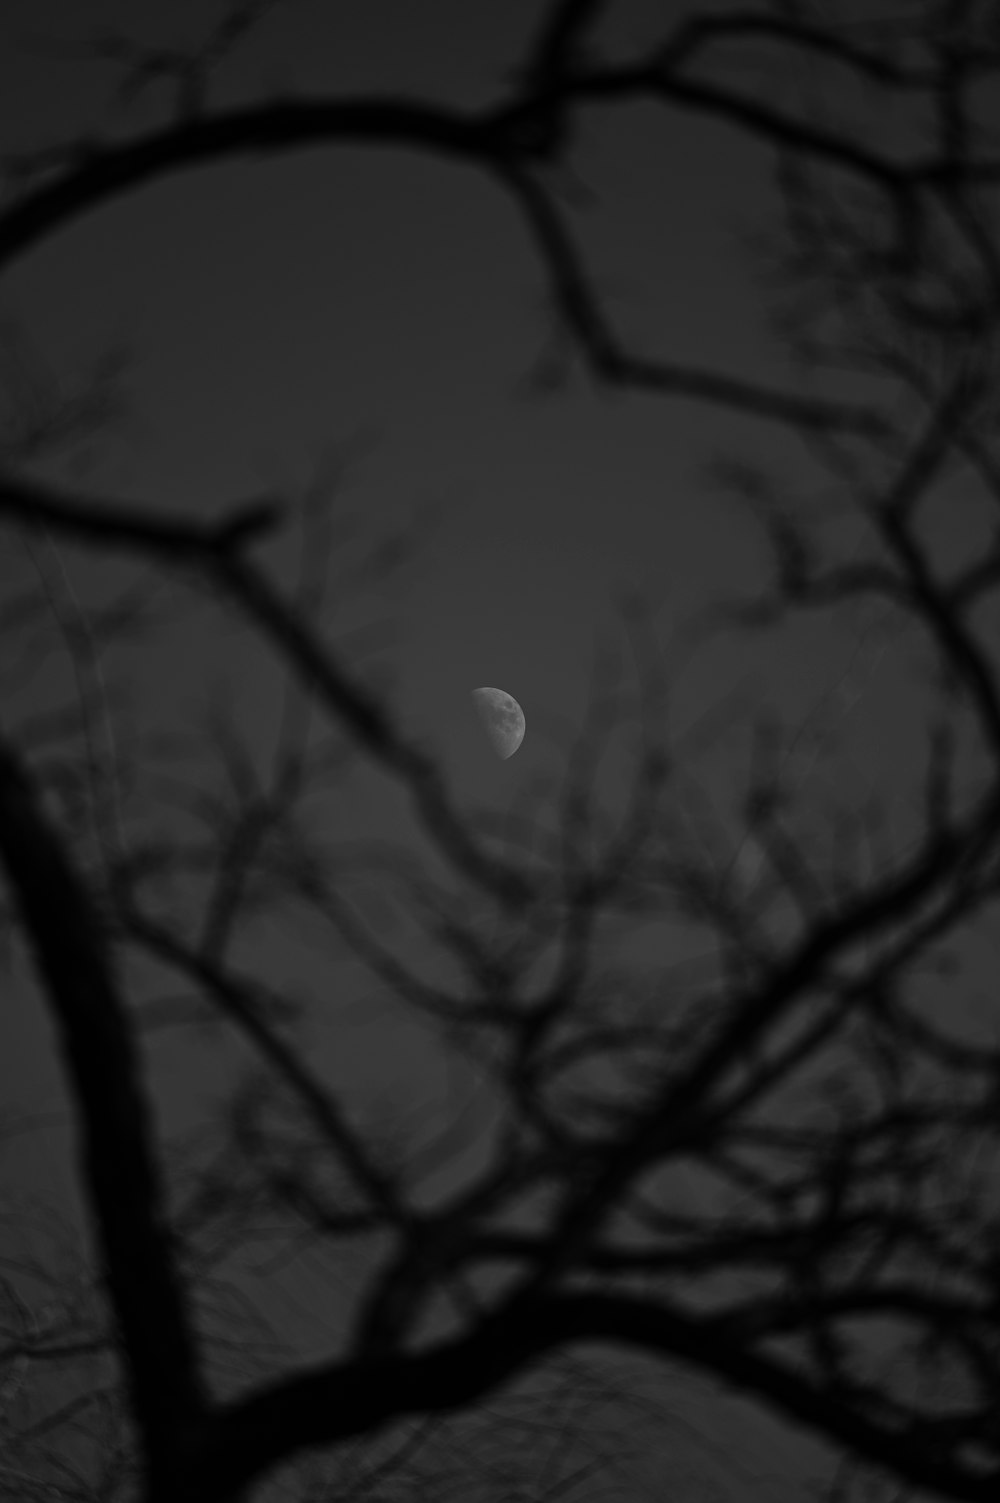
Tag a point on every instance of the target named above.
point(842, 1121)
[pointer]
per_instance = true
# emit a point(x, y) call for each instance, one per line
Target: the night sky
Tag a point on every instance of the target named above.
point(375, 322)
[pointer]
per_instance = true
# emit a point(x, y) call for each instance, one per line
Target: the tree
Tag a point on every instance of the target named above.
point(834, 1256)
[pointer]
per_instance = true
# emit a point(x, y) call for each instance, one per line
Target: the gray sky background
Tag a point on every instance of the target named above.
point(278, 310)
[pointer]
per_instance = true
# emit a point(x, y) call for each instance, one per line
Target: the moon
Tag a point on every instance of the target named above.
point(503, 719)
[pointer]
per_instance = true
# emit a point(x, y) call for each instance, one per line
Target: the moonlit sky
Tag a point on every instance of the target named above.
point(283, 313)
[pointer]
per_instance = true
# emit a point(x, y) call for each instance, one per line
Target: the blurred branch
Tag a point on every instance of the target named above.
point(72, 956)
point(844, 1133)
point(333, 1401)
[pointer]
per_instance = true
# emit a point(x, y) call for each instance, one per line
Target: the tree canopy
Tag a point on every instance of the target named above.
point(774, 1168)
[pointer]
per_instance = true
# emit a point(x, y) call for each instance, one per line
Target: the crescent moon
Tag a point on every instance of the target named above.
point(503, 719)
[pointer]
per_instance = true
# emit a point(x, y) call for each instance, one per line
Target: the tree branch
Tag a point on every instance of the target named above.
point(334, 1402)
point(71, 953)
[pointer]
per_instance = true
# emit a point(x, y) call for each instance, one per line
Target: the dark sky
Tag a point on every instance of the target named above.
point(278, 311)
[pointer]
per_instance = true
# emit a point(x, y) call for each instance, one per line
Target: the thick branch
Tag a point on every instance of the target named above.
point(108, 172)
point(120, 1168)
point(339, 1401)
point(107, 524)
point(487, 140)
